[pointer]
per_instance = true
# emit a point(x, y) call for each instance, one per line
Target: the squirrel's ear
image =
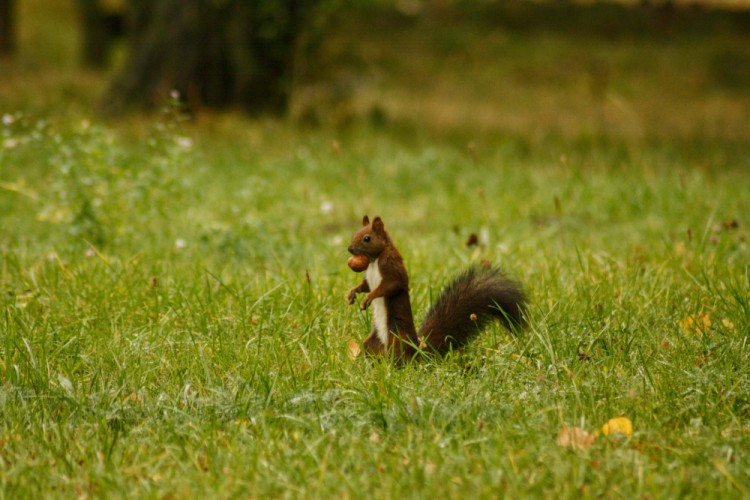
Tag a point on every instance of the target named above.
point(365, 220)
point(377, 225)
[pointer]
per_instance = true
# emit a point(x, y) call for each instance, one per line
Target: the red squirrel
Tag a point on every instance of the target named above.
point(463, 308)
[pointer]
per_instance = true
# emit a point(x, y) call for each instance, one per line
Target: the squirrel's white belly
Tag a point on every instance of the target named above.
point(379, 312)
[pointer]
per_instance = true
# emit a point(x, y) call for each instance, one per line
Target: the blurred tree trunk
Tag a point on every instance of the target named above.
point(7, 28)
point(99, 29)
point(214, 53)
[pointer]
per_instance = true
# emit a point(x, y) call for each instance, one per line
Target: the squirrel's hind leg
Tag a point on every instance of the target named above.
point(373, 345)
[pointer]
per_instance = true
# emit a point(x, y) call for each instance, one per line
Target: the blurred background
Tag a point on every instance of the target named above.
point(625, 71)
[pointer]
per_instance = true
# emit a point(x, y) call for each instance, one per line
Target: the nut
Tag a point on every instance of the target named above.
point(358, 263)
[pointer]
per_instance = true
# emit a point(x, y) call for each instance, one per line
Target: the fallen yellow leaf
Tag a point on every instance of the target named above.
point(619, 425)
point(353, 348)
point(697, 323)
point(574, 437)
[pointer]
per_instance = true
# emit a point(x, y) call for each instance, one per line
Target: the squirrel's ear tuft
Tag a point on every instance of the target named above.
point(365, 220)
point(377, 225)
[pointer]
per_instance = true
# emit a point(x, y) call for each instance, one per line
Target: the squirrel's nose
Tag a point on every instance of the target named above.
point(351, 250)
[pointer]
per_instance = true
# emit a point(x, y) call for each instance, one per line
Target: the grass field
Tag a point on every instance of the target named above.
point(173, 315)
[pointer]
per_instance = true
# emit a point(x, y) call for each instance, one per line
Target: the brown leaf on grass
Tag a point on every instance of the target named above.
point(703, 358)
point(574, 437)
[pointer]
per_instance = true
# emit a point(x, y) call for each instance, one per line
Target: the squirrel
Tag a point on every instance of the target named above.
point(472, 300)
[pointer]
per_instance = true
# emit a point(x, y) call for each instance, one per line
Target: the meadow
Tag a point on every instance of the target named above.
point(174, 321)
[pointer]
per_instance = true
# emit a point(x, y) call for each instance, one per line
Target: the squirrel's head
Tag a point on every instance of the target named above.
point(371, 239)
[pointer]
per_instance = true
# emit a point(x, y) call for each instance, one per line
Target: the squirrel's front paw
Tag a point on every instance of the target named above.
point(351, 297)
point(365, 303)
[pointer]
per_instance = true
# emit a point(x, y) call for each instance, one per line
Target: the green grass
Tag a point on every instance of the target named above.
point(174, 323)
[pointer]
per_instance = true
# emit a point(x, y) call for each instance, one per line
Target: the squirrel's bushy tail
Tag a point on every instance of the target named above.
point(464, 308)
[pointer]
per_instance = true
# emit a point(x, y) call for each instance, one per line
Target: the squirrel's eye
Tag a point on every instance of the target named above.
point(366, 238)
